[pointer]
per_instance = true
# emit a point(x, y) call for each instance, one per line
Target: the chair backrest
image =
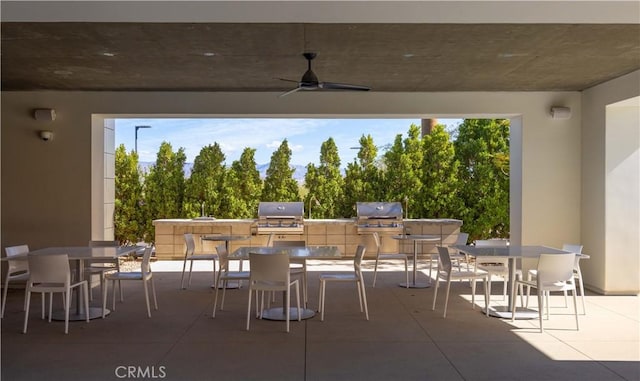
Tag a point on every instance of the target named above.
point(104, 243)
point(462, 239)
point(49, 269)
point(17, 265)
point(445, 259)
point(223, 257)
point(573, 248)
point(555, 268)
point(491, 242)
point(357, 260)
point(270, 269)
point(289, 243)
point(191, 244)
point(145, 266)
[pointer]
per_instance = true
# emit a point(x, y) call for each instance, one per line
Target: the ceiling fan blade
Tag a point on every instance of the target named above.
point(289, 92)
point(287, 80)
point(342, 86)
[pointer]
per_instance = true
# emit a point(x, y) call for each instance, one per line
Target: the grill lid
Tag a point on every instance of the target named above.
point(281, 210)
point(379, 210)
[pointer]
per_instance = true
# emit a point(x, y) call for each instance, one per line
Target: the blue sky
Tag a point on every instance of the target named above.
point(264, 134)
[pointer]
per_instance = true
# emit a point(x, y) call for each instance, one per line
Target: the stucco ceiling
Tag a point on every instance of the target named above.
point(403, 57)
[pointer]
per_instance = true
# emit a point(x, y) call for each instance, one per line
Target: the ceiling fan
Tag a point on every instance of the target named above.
point(310, 81)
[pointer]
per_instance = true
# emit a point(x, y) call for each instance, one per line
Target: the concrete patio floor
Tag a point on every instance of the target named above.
point(404, 339)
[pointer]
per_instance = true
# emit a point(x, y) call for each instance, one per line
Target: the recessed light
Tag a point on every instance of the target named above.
point(107, 54)
point(208, 54)
point(408, 55)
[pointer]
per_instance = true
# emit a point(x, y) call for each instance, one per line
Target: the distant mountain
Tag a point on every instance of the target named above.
point(298, 175)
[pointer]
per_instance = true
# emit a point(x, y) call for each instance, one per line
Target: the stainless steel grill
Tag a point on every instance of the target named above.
point(280, 217)
point(379, 217)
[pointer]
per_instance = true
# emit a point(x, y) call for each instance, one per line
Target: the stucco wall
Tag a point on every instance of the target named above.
point(46, 189)
point(608, 269)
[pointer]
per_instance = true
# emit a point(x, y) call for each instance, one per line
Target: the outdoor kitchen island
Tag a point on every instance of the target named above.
point(343, 233)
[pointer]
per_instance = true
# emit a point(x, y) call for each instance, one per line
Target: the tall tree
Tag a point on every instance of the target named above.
point(164, 187)
point(279, 184)
point(205, 187)
point(481, 149)
point(403, 170)
point(439, 198)
point(362, 177)
point(128, 215)
point(245, 185)
point(325, 183)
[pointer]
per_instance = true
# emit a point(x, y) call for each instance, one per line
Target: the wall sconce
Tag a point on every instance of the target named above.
point(44, 114)
point(46, 135)
point(558, 112)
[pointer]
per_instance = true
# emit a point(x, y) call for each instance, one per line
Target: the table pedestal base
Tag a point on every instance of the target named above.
point(505, 313)
point(415, 285)
point(94, 313)
point(278, 313)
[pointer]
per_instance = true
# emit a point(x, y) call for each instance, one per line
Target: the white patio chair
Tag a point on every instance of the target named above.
point(554, 273)
point(577, 274)
point(355, 277)
point(224, 276)
point(494, 266)
point(298, 266)
point(17, 271)
point(270, 272)
point(388, 257)
point(446, 273)
point(190, 256)
point(144, 275)
point(51, 274)
point(101, 267)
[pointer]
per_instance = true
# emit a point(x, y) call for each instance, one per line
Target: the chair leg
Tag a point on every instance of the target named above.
point(473, 295)
point(105, 291)
point(249, 307)
point(287, 305)
point(66, 311)
point(4, 295)
point(113, 300)
point(322, 297)
point(298, 302)
point(575, 308)
point(446, 298)
point(146, 296)
point(364, 298)
point(190, 271)
point(215, 300)
point(540, 308)
point(435, 293)
point(86, 301)
point(579, 279)
point(184, 268)
point(27, 304)
point(50, 305)
point(375, 273)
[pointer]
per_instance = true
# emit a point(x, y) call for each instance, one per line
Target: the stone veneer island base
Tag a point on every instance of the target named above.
point(343, 233)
